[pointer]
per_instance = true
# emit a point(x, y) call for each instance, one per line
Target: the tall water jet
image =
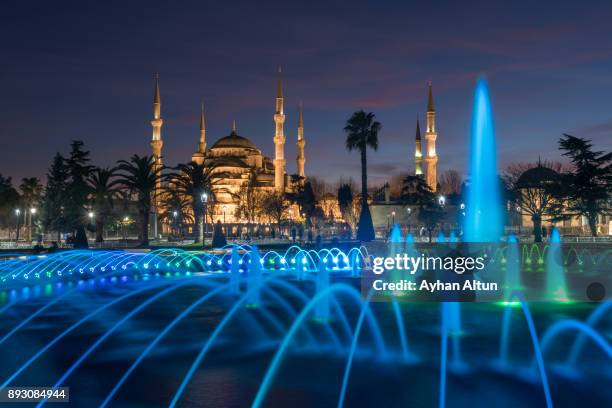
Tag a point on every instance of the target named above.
point(355, 264)
point(556, 288)
point(513, 272)
point(322, 307)
point(483, 219)
point(396, 248)
point(235, 271)
point(254, 282)
point(396, 234)
point(441, 238)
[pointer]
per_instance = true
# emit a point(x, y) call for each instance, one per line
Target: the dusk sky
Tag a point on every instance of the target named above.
point(84, 70)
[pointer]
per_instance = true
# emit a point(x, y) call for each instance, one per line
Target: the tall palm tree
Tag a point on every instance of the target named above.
point(140, 177)
point(362, 132)
point(192, 180)
point(104, 187)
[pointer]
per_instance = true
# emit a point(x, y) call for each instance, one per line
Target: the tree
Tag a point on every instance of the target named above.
point(192, 180)
point(538, 192)
point(345, 198)
point(431, 215)
point(415, 190)
point(176, 210)
point(319, 187)
point(31, 194)
point(305, 199)
point(347, 205)
point(56, 196)
point(275, 206)
point(590, 183)
point(249, 198)
point(9, 200)
point(450, 182)
point(104, 188)
point(140, 177)
point(362, 132)
point(77, 190)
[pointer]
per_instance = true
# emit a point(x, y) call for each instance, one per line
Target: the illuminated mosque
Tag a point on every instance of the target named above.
point(237, 160)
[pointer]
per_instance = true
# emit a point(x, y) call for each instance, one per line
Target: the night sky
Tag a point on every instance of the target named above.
point(84, 70)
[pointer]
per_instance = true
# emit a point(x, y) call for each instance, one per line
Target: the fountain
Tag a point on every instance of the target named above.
point(483, 219)
point(254, 280)
point(235, 271)
point(555, 275)
point(396, 234)
point(512, 280)
point(61, 309)
point(322, 309)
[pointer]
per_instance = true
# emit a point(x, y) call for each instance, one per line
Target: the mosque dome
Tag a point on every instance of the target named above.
point(537, 176)
point(234, 141)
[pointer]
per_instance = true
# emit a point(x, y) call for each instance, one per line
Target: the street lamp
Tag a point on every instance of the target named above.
point(204, 198)
point(409, 212)
point(442, 200)
point(17, 214)
point(224, 210)
point(32, 213)
point(393, 215)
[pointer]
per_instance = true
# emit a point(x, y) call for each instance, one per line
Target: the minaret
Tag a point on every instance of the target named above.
point(418, 155)
point(156, 123)
point(200, 154)
point(301, 159)
point(279, 138)
point(430, 136)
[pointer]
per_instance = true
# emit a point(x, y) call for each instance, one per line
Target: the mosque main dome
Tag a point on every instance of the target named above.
point(234, 140)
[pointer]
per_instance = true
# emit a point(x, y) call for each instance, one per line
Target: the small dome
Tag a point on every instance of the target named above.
point(537, 176)
point(234, 140)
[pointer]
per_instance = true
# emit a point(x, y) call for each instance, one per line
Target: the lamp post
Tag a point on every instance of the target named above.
point(32, 213)
point(126, 219)
point(203, 225)
point(91, 215)
point(393, 215)
point(409, 212)
point(225, 226)
point(174, 215)
point(17, 214)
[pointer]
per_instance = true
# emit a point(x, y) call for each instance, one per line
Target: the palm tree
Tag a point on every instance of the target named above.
point(193, 180)
point(362, 132)
point(176, 210)
point(103, 189)
point(140, 177)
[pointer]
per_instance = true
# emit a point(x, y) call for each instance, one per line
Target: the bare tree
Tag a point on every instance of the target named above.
point(450, 182)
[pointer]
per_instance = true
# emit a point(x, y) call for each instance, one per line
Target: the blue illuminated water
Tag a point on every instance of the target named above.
point(483, 219)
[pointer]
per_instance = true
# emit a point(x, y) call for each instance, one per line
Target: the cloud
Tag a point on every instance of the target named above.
point(597, 129)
